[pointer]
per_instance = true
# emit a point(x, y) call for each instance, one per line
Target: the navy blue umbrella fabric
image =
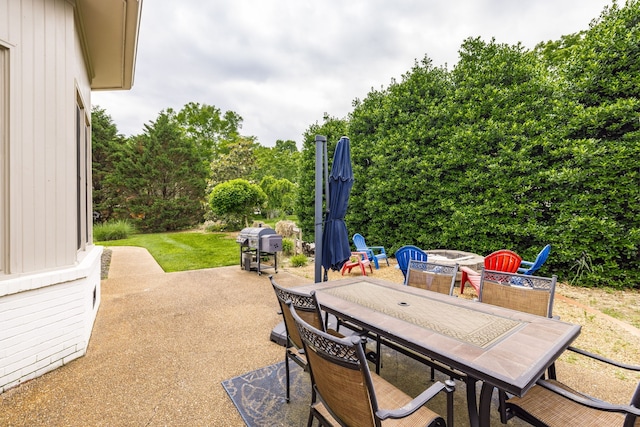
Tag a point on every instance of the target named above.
point(336, 249)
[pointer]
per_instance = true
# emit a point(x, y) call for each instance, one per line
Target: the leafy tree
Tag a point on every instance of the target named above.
point(238, 162)
point(280, 195)
point(236, 200)
point(106, 143)
point(160, 178)
point(394, 134)
point(505, 115)
point(280, 161)
point(207, 128)
point(595, 174)
point(556, 52)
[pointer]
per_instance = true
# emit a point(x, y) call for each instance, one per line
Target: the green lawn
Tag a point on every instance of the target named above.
point(186, 250)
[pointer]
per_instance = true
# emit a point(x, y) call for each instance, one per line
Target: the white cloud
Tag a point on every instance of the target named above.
point(281, 64)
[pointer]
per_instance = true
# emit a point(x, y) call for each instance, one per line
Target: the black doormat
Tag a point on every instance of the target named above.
point(260, 396)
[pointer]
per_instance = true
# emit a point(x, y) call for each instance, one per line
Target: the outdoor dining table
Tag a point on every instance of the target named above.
point(501, 348)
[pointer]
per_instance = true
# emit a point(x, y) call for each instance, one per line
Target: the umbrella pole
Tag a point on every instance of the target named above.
point(321, 143)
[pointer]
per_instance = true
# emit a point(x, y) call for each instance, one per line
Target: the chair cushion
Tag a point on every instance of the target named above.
point(389, 397)
point(555, 410)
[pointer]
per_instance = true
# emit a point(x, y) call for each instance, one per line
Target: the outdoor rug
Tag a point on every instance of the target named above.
point(260, 396)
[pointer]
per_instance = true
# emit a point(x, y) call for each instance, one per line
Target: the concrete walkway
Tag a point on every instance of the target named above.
point(130, 261)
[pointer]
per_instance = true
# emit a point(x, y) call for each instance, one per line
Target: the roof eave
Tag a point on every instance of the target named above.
point(109, 31)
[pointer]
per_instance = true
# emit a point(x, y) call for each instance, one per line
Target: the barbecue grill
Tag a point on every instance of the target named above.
point(258, 244)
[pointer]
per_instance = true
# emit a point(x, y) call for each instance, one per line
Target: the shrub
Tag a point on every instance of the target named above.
point(213, 227)
point(112, 230)
point(287, 246)
point(298, 260)
point(236, 201)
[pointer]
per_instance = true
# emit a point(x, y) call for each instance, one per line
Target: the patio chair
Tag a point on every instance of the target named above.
point(530, 267)
point(346, 392)
point(550, 403)
point(307, 306)
point(431, 276)
point(502, 260)
point(407, 253)
point(357, 259)
point(375, 253)
point(529, 294)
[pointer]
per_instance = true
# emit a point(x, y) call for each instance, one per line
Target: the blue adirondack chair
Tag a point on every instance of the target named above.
point(530, 267)
point(406, 254)
point(374, 253)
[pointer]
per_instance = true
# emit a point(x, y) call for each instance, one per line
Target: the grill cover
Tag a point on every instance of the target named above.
point(251, 236)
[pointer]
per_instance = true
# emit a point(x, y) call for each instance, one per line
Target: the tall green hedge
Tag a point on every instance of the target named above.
point(513, 148)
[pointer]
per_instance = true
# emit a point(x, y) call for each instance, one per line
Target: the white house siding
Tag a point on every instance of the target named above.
point(47, 284)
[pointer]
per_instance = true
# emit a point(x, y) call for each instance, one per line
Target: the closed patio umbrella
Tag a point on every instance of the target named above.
point(336, 249)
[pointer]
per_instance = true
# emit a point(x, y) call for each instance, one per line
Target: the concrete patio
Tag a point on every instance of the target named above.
point(161, 346)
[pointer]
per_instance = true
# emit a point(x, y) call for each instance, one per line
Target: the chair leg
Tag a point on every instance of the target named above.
point(379, 354)
point(450, 388)
point(502, 406)
point(344, 267)
point(286, 364)
point(463, 279)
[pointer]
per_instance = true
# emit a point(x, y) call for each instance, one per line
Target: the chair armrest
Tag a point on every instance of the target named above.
point(585, 401)
point(469, 270)
point(378, 248)
point(418, 401)
point(362, 255)
point(603, 359)
point(526, 263)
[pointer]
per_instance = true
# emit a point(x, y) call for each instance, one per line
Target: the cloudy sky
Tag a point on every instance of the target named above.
point(281, 64)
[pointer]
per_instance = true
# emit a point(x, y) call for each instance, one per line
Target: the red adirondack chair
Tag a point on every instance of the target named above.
point(357, 259)
point(502, 260)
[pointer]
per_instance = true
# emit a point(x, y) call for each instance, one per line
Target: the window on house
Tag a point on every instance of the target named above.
point(83, 165)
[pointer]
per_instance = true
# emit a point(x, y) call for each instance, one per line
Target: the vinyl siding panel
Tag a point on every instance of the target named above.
point(9, 14)
point(43, 207)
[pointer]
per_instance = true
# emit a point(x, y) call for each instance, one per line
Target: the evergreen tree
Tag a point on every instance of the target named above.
point(161, 179)
point(106, 143)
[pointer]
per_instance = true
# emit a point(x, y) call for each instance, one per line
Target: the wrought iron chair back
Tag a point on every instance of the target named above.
point(529, 294)
point(308, 308)
point(432, 276)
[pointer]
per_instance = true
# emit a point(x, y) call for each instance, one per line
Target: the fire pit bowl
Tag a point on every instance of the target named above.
point(450, 256)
